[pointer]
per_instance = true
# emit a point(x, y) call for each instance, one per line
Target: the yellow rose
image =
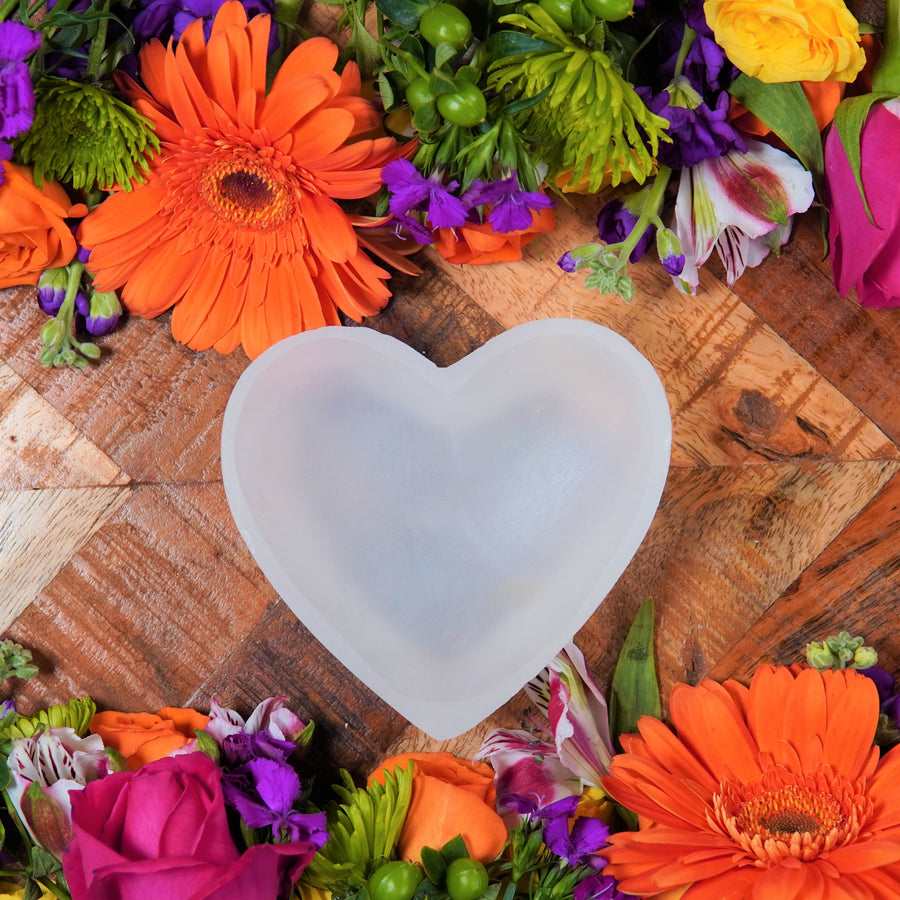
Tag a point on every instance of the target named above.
point(788, 40)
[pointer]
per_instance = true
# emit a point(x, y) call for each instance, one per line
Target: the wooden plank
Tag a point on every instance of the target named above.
point(854, 347)
point(150, 606)
point(152, 405)
point(851, 586)
point(39, 448)
point(40, 530)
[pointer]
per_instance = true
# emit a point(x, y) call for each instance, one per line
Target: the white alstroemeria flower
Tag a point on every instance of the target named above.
point(44, 769)
point(740, 204)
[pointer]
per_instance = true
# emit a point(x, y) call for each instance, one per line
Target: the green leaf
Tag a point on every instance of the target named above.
point(784, 108)
point(849, 119)
point(514, 43)
point(434, 865)
point(635, 690)
point(444, 53)
point(517, 106)
point(455, 848)
point(582, 18)
point(404, 12)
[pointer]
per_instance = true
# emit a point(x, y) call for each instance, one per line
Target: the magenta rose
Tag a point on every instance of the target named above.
point(863, 255)
point(161, 832)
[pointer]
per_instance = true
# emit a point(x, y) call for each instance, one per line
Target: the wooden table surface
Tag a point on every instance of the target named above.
point(121, 566)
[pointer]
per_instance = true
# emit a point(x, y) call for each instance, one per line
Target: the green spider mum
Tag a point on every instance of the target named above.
point(596, 126)
point(85, 136)
point(76, 714)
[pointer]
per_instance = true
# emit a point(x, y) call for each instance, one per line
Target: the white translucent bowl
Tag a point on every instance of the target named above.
point(444, 532)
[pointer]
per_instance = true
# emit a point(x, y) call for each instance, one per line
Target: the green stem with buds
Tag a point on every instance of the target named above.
point(886, 76)
point(649, 214)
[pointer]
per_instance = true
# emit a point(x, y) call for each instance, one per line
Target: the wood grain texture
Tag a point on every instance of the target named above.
point(779, 521)
point(40, 530)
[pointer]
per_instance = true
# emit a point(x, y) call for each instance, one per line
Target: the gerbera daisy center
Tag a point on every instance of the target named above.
point(787, 814)
point(246, 193)
point(789, 809)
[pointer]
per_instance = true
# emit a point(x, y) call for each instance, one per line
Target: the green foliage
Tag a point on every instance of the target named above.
point(15, 661)
point(76, 714)
point(364, 827)
point(784, 108)
point(635, 689)
point(593, 125)
point(86, 137)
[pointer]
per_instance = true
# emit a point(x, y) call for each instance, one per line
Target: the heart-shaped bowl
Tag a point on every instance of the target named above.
point(445, 532)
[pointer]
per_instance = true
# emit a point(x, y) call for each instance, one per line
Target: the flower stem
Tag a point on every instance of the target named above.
point(687, 41)
point(649, 213)
point(886, 76)
point(98, 44)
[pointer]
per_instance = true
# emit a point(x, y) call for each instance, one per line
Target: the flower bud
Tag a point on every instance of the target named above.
point(46, 819)
point(52, 290)
point(669, 249)
point(53, 333)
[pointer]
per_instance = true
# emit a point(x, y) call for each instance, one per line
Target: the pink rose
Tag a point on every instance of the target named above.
point(161, 831)
point(863, 255)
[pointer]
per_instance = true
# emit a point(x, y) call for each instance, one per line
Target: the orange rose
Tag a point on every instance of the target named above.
point(143, 737)
point(33, 233)
point(477, 244)
point(450, 796)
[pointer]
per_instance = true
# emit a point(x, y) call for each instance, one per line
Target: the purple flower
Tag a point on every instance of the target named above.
point(241, 748)
point(699, 133)
point(269, 800)
point(512, 208)
point(166, 19)
point(567, 262)
point(413, 227)
point(674, 264)
point(616, 221)
point(599, 887)
point(17, 43)
point(410, 191)
point(101, 312)
point(578, 845)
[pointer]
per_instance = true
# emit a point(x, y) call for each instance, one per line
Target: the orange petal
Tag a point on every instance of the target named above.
point(708, 722)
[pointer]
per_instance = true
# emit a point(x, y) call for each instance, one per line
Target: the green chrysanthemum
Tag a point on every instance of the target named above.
point(76, 714)
point(596, 126)
point(86, 137)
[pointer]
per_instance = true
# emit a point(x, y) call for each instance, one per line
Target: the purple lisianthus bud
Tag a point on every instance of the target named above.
point(101, 313)
point(669, 249)
point(567, 262)
point(51, 290)
point(615, 223)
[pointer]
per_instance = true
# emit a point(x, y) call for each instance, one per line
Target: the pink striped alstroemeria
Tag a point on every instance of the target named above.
point(568, 753)
point(739, 204)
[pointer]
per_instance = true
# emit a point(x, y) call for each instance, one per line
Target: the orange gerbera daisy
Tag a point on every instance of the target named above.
point(772, 793)
point(236, 225)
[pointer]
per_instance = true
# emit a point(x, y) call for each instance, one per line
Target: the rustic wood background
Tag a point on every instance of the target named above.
point(120, 563)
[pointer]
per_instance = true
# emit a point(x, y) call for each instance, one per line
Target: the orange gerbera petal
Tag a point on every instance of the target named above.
point(237, 228)
point(795, 804)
